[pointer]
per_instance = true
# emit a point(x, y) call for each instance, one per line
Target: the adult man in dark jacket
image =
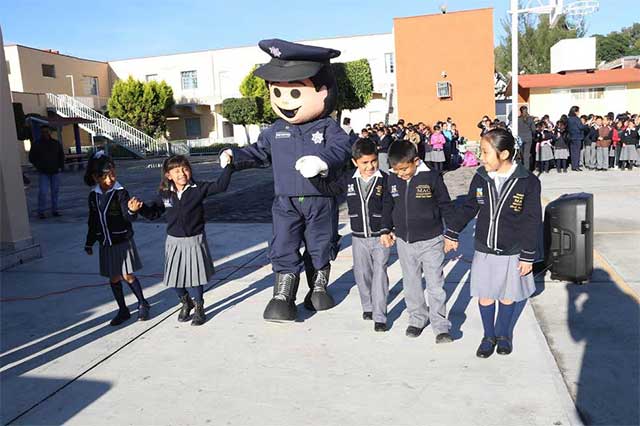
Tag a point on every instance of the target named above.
point(47, 157)
point(526, 129)
point(576, 131)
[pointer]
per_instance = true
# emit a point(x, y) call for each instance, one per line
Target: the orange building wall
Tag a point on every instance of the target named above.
point(460, 43)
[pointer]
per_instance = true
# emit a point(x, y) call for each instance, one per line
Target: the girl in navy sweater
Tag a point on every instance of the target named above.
point(110, 225)
point(506, 198)
point(188, 263)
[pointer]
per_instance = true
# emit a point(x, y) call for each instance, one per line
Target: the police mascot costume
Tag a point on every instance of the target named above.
point(302, 143)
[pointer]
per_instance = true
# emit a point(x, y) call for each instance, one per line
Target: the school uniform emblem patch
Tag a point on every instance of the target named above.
point(317, 137)
point(423, 191)
point(479, 196)
point(351, 190)
point(394, 191)
point(379, 191)
point(167, 202)
point(516, 203)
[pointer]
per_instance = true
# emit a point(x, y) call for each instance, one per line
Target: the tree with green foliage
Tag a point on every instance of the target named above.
point(355, 84)
point(243, 111)
point(535, 39)
point(617, 44)
point(252, 87)
point(141, 105)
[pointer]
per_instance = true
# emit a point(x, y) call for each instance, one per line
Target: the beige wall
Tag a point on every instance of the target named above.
point(633, 97)
point(13, 58)
point(617, 98)
point(30, 62)
point(177, 128)
point(15, 231)
point(36, 103)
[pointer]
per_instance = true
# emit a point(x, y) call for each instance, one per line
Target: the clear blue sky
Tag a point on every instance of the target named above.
point(118, 29)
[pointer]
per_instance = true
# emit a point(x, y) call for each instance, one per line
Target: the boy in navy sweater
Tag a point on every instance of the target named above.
point(419, 200)
point(366, 198)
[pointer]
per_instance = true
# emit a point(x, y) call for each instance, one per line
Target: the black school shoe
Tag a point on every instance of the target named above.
point(504, 346)
point(444, 338)
point(413, 331)
point(198, 314)
point(486, 348)
point(143, 311)
point(380, 326)
point(367, 316)
point(121, 317)
point(185, 310)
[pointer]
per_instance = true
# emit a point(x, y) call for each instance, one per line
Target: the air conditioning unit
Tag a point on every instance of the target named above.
point(443, 89)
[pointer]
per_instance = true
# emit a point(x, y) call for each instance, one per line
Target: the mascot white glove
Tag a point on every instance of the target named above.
point(310, 166)
point(226, 157)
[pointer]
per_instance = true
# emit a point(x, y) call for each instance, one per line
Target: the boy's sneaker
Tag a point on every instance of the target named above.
point(444, 338)
point(413, 331)
point(380, 326)
point(367, 316)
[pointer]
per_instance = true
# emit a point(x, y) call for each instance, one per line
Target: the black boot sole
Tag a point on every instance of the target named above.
point(318, 301)
point(280, 311)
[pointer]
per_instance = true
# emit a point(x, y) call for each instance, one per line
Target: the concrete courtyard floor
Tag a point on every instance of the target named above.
point(61, 363)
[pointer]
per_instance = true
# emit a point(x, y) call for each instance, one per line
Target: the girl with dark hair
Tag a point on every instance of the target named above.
point(561, 147)
point(506, 199)
point(188, 263)
point(629, 146)
point(110, 225)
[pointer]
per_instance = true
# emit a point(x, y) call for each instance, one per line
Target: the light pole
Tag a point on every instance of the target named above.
point(73, 89)
point(555, 8)
point(514, 67)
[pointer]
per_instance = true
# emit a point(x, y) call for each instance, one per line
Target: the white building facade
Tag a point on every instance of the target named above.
point(202, 80)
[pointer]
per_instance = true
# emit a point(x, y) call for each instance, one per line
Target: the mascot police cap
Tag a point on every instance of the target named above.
point(292, 61)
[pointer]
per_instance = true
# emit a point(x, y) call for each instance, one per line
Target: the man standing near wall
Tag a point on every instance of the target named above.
point(47, 157)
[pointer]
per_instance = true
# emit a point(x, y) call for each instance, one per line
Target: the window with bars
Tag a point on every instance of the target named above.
point(48, 70)
point(443, 89)
point(389, 65)
point(189, 80)
point(587, 93)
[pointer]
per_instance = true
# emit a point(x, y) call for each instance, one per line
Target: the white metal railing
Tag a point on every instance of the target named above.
point(112, 128)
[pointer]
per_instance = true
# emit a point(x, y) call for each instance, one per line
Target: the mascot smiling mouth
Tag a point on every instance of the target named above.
point(289, 113)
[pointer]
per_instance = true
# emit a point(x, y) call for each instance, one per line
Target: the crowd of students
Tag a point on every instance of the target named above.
point(592, 142)
point(437, 144)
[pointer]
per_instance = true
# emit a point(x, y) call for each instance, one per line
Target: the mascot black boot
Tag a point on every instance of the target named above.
point(318, 299)
point(283, 305)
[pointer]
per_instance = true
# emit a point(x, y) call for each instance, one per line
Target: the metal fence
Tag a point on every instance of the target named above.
point(204, 146)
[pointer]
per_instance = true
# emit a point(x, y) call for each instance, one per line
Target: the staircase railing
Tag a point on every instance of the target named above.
point(114, 129)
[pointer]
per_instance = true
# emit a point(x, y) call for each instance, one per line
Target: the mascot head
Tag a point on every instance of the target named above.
point(301, 83)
